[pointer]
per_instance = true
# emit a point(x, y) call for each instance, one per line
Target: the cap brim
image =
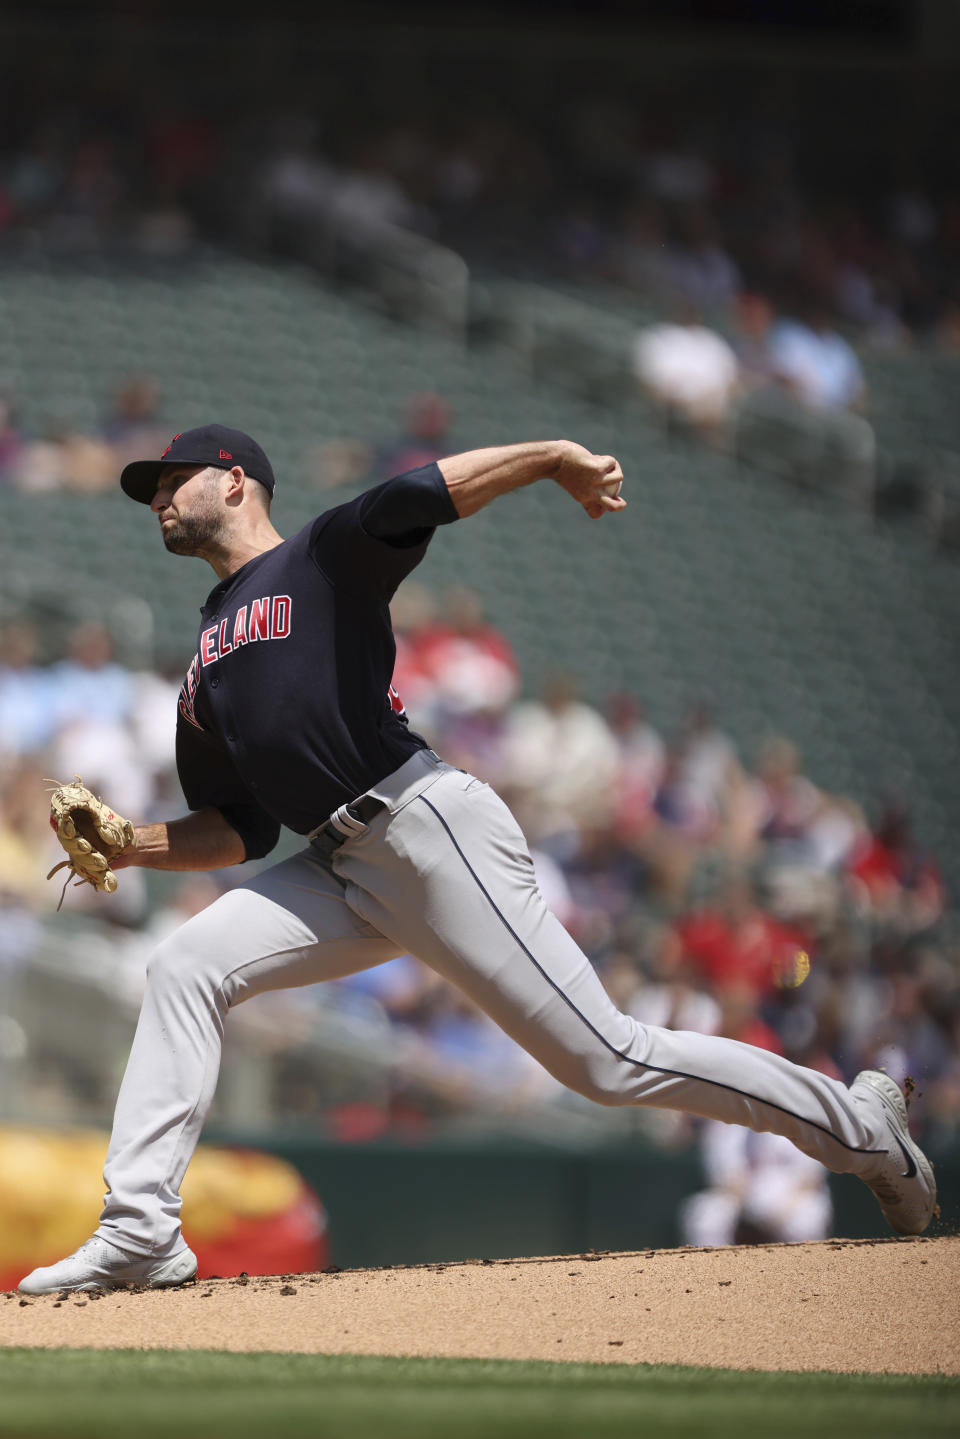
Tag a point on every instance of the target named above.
point(139, 479)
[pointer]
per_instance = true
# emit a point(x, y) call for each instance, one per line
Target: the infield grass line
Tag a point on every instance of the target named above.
point(113, 1394)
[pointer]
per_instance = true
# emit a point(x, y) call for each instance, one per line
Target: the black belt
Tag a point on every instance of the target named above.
point(329, 838)
point(366, 808)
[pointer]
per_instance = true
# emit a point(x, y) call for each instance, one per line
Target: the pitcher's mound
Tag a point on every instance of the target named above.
point(888, 1306)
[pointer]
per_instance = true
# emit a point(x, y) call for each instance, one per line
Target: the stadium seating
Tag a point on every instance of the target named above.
point(793, 612)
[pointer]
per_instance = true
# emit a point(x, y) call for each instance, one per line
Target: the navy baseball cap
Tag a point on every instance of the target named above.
point(207, 445)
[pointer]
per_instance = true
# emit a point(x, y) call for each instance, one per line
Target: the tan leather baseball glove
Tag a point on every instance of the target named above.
point(90, 832)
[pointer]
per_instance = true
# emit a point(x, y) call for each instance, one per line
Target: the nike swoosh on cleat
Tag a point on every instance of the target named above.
point(911, 1168)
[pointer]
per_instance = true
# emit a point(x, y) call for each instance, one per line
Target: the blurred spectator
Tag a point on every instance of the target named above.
point(368, 197)
point(833, 831)
point(706, 760)
point(425, 437)
point(642, 762)
point(562, 750)
point(66, 459)
point(694, 807)
point(677, 171)
point(688, 370)
point(752, 327)
point(697, 266)
point(606, 879)
point(89, 685)
point(133, 425)
point(339, 462)
point(27, 713)
point(894, 881)
point(297, 182)
point(733, 943)
point(818, 366)
point(805, 422)
point(476, 1054)
point(762, 1190)
point(786, 800)
point(469, 664)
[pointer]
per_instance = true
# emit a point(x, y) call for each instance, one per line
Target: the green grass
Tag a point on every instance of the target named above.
point(74, 1393)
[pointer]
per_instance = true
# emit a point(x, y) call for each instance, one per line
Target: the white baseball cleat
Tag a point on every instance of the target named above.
point(101, 1265)
point(904, 1184)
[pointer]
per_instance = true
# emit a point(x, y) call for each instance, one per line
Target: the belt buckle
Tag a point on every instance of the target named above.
point(365, 808)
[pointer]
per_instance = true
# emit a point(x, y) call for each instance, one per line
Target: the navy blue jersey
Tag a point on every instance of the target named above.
point(287, 709)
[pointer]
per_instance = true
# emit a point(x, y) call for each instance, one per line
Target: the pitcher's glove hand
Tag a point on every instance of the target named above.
point(90, 832)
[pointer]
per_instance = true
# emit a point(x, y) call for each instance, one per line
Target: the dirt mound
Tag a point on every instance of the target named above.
point(889, 1306)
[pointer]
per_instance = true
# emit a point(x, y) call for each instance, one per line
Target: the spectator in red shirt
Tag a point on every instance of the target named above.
point(734, 943)
point(892, 878)
point(471, 664)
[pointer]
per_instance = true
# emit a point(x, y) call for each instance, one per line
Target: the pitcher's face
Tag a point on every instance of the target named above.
point(189, 506)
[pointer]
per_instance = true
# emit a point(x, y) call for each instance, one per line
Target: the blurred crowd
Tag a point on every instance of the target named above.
point(666, 198)
point(700, 370)
point(87, 460)
point(782, 389)
point(727, 207)
point(694, 184)
point(713, 891)
point(69, 457)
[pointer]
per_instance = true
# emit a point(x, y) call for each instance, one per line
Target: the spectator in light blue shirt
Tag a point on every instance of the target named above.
point(816, 364)
point(88, 685)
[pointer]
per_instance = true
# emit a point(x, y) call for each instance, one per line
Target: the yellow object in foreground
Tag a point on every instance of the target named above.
point(51, 1191)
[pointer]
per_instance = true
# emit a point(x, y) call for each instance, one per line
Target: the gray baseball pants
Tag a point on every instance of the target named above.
point(442, 872)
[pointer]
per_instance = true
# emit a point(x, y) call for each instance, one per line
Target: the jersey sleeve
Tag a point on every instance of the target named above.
point(374, 541)
point(209, 777)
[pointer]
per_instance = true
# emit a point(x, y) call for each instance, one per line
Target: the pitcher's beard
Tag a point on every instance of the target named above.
point(191, 534)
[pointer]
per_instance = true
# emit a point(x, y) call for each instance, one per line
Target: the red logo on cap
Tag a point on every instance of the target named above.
point(171, 444)
point(225, 455)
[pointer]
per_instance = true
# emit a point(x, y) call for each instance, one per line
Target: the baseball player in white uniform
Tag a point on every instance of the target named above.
point(287, 716)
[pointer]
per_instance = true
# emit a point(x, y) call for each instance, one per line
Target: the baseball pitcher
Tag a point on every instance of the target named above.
point(287, 717)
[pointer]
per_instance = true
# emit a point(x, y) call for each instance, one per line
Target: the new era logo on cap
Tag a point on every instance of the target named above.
point(207, 445)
